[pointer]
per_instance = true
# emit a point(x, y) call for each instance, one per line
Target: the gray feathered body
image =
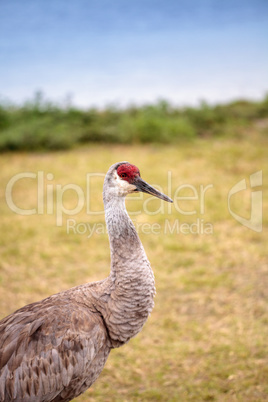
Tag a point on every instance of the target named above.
point(53, 350)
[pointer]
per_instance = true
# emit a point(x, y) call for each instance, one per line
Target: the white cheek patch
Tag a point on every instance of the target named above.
point(123, 186)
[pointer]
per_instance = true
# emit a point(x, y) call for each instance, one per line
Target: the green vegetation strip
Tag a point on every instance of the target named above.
point(42, 125)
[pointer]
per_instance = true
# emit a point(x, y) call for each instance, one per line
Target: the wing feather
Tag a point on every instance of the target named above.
point(50, 350)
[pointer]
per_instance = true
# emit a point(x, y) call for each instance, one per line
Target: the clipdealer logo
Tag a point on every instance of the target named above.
point(189, 200)
point(254, 222)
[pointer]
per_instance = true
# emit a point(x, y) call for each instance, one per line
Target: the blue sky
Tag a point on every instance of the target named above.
point(99, 51)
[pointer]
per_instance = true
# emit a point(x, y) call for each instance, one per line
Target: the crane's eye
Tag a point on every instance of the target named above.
point(122, 175)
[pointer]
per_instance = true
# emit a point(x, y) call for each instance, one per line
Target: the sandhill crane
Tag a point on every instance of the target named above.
point(54, 349)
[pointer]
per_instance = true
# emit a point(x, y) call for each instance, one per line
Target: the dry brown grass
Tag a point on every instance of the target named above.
point(207, 336)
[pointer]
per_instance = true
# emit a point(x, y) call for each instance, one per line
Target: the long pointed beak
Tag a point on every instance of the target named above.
point(141, 185)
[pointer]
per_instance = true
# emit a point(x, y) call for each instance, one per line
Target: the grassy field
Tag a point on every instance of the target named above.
point(207, 336)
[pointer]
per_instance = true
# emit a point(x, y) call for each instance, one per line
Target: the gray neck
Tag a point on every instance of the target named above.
point(131, 275)
point(125, 244)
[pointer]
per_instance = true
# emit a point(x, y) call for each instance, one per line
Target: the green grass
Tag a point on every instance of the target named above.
point(206, 339)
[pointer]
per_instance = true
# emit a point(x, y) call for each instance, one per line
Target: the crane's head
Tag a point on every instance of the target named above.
point(124, 178)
